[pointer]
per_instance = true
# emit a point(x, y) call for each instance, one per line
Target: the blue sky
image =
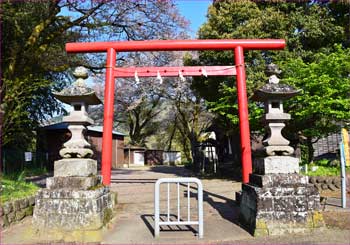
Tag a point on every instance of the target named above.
point(195, 11)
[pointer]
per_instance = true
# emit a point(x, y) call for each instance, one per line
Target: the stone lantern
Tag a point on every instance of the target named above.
point(74, 201)
point(79, 97)
point(277, 199)
point(273, 94)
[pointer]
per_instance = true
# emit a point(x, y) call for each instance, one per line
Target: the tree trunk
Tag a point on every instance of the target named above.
point(310, 150)
point(172, 134)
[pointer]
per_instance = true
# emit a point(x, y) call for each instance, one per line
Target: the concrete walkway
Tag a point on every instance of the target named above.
point(134, 221)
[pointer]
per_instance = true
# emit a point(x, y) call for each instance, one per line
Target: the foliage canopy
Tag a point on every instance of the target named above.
point(311, 61)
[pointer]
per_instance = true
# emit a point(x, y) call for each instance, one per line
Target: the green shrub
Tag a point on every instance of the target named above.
point(323, 171)
point(322, 162)
point(16, 189)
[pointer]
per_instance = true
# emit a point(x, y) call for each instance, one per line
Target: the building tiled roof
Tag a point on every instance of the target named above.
point(64, 125)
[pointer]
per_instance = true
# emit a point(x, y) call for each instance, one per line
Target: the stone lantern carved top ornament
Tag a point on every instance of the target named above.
point(78, 91)
point(272, 94)
point(79, 96)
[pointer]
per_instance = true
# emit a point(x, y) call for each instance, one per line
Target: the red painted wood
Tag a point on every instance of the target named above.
point(246, 155)
point(166, 71)
point(173, 45)
point(108, 118)
point(239, 45)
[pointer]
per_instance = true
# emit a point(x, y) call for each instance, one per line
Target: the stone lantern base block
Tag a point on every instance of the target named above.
point(275, 204)
point(83, 183)
point(78, 167)
point(81, 212)
point(276, 164)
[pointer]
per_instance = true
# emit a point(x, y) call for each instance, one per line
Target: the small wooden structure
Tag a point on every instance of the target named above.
point(134, 155)
point(160, 157)
point(51, 137)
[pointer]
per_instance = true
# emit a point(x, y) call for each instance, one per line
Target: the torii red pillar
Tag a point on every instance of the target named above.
point(175, 45)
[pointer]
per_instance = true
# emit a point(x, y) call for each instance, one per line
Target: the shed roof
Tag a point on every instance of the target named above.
point(64, 125)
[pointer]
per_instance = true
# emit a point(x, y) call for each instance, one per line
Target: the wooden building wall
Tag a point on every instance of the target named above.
point(51, 141)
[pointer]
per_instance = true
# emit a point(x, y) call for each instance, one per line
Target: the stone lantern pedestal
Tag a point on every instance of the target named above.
point(75, 205)
point(277, 199)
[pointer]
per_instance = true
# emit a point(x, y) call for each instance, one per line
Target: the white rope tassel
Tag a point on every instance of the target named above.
point(137, 79)
point(204, 72)
point(181, 76)
point(159, 77)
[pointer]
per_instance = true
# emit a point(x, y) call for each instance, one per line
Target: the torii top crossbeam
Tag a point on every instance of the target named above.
point(236, 45)
point(175, 45)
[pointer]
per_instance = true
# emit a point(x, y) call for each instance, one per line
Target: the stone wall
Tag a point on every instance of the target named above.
point(332, 183)
point(73, 209)
point(15, 211)
point(274, 204)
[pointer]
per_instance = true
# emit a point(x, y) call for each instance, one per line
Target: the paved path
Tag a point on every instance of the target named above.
point(134, 222)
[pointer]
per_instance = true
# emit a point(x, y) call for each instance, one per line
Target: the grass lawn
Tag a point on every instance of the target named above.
point(15, 189)
point(324, 167)
point(324, 171)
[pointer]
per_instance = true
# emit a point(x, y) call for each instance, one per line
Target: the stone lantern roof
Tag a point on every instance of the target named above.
point(272, 91)
point(78, 91)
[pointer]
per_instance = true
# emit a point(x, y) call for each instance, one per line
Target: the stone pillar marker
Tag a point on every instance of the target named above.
point(277, 199)
point(75, 205)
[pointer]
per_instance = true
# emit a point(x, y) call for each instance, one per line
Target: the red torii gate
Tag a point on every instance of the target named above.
point(238, 45)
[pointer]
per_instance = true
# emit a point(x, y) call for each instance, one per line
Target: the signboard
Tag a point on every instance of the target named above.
point(27, 156)
point(345, 138)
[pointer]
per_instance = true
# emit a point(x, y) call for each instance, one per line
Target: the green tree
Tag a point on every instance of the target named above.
point(34, 61)
point(324, 104)
point(28, 65)
point(310, 29)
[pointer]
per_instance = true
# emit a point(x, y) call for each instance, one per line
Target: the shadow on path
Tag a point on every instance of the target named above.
point(148, 219)
point(179, 171)
point(133, 181)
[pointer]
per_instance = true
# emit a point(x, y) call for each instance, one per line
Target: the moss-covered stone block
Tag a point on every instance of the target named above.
point(11, 217)
point(7, 207)
point(31, 200)
point(261, 232)
point(5, 222)
point(16, 205)
point(107, 215)
point(93, 236)
point(309, 222)
point(20, 214)
point(317, 219)
point(72, 210)
point(29, 210)
point(114, 196)
point(23, 203)
point(260, 224)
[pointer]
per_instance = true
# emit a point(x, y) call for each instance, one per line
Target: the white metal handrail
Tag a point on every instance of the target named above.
point(158, 223)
